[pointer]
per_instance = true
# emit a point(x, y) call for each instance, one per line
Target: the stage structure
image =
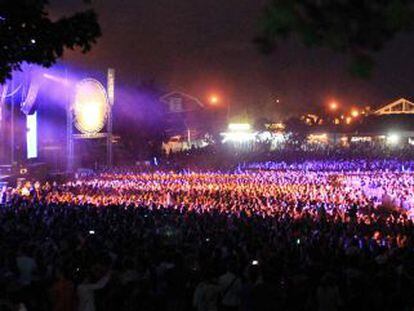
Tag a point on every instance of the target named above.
point(89, 111)
point(3, 93)
point(24, 92)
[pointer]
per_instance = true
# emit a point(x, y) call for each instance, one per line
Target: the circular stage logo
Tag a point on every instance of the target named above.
point(90, 107)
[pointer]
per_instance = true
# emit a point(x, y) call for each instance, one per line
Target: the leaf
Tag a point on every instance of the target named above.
point(343, 26)
point(24, 20)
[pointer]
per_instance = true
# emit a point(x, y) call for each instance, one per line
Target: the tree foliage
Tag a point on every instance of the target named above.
point(358, 28)
point(28, 34)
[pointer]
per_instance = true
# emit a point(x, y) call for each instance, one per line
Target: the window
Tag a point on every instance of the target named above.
point(176, 104)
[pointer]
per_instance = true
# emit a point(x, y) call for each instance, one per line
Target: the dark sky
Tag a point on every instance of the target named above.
point(205, 46)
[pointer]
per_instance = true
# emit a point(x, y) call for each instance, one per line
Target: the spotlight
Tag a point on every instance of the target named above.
point(393, 139)
point(239, 126)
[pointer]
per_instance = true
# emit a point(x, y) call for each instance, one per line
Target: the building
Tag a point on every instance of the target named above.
point(392, 123)
point(395, 119)
point(187, 117)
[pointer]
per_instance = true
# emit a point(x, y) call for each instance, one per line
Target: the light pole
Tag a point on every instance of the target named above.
point(188, 134)
point(228, 112)
point(12, 124)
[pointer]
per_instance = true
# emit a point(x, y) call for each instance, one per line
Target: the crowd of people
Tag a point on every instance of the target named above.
point(221, 156)
point(392, 165)
point(266, 236)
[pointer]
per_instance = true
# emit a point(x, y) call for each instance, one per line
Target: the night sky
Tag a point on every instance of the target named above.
point(203, 47)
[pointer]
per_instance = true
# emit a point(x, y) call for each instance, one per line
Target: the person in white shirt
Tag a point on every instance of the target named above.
point(86, 295)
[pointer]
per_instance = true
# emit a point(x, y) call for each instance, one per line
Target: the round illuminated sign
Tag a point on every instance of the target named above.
point(90, 107)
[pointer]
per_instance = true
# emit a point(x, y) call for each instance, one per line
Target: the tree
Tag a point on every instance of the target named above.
point(27, 34)
point(298, 129)
point(358, 28)
point(260, 124)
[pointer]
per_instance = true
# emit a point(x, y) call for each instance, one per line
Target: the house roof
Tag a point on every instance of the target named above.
point(177, 94)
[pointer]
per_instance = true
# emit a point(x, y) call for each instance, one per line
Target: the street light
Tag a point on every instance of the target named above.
point(355, 113)
point(214, 99)
point(333, 106)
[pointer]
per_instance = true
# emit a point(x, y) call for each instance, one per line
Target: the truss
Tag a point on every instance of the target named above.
point(401, 106)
